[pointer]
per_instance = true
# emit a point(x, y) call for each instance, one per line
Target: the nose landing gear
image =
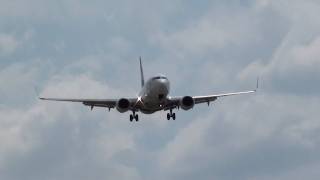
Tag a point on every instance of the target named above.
point(134, 116)
point(171, 115)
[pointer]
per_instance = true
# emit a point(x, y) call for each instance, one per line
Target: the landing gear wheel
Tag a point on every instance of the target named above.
point(134, 116)
point(174, 116)
point(168, 116)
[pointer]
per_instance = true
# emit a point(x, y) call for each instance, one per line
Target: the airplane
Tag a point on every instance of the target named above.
point(153, 97)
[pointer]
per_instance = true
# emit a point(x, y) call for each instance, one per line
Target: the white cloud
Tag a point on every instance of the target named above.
point(220, 141)
point(8, 44)
point(307, 56)
point(263, 3)
point(291, 64)
point(33, 130)
point(295, 60)
point(212, 32)
point(187, 141)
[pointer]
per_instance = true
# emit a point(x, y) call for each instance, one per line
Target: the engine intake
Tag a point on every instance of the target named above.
point(123, 105)
point(187, 103)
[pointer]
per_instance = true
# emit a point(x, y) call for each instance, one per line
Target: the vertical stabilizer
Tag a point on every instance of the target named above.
point(141, 72)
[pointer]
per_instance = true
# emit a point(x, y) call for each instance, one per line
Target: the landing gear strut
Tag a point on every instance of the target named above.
point(171, 115)
point(134, 116)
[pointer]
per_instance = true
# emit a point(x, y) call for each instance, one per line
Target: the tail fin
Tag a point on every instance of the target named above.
point(141, 72)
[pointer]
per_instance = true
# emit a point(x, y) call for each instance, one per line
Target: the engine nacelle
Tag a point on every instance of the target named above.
point(123, 105)
point(187, 103)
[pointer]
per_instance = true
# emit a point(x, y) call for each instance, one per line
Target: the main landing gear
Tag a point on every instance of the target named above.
point(171, 115)
point(134, 116)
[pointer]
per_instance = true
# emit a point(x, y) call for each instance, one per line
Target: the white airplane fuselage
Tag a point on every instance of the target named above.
point(154, 94)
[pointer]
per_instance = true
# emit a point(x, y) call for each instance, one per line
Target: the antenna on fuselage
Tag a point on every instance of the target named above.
point(141, 72)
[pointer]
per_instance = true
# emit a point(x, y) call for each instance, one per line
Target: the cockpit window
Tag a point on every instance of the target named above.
point(159, 77)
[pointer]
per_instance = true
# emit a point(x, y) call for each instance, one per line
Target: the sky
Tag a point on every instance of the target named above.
point(90, 49)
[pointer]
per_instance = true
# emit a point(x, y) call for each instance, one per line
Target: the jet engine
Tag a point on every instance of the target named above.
point(123, 105)
point(187, 103)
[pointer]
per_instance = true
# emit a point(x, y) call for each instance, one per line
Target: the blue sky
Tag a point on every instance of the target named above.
point(78, 49)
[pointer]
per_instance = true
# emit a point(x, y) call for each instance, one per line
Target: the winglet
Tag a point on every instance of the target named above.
point(141, 73)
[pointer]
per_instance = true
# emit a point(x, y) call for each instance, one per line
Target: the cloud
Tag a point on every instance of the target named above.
point(69, 49)
point(211, 32)
point(220, 146)
point(8, 44)
point(67, 135)
point(294, 60)
point(290, 66)
point(306, 57)
point(61, 135)
point(60, 146)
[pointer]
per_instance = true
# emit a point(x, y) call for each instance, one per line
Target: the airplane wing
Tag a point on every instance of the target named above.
point(209, 98)
point(174, 102)
point(107, 103)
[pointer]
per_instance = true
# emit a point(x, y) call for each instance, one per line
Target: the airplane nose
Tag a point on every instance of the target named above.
point(162, 89)
point(165, 85)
